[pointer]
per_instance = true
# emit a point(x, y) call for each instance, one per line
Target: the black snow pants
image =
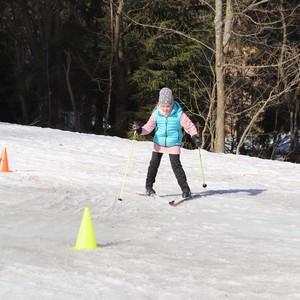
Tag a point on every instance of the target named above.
point(176, 167)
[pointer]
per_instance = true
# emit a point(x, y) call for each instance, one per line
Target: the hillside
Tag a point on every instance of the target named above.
point(239, 240)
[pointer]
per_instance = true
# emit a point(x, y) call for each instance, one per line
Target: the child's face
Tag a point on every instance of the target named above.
point(166, 108)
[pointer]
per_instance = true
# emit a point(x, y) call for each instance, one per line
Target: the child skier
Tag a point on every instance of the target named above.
point(168, 119)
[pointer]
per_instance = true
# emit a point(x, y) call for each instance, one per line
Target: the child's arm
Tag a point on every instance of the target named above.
point(188, 125)
point(149, 126)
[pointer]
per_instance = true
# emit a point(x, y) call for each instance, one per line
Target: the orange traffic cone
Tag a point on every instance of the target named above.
point(4, 162)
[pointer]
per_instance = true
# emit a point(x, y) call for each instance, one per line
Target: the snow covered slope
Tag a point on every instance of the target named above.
point(240, 240)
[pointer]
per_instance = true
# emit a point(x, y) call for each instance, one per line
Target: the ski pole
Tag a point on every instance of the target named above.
point(126, 169)
point(201, 166)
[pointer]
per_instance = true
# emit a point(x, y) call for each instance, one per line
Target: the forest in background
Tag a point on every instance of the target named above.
point(97, 66)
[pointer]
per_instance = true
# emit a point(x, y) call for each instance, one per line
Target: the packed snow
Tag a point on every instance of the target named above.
point(239, 240)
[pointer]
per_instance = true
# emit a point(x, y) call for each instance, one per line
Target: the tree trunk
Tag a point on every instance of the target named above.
point(19, 82)
point(289, 97)
point(294, 114)
point(118, 99)
point(220, 118)
point(59, 75)
point(67, 72)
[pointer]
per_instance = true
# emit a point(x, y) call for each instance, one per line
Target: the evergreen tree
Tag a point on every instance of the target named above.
point(162, 53)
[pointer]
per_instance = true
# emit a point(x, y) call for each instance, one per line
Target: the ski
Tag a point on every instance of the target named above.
point(155, 196)
point(173, 202)
point(176, 202)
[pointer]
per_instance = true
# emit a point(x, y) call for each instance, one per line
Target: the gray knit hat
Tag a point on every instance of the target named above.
point(165, 96)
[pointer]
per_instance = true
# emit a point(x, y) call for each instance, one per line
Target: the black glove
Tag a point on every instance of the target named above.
point(137, 128)
point(196, 140)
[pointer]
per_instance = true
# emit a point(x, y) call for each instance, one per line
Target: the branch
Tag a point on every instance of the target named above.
point(273, 96)
point(251, 6)
point(168, 30)
point(264, 66)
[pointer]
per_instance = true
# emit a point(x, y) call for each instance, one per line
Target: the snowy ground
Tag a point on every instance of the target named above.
point(240, 240)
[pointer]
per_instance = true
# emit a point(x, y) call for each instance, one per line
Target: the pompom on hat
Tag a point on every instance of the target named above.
point(165, 96)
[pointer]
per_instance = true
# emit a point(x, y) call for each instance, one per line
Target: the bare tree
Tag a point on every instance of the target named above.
point(220, 130)
point(117, 72)
point(260, 70)
point(73, 102)
point(290, 95)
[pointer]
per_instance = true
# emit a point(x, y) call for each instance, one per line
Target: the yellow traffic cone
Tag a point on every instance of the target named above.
point(86, 238)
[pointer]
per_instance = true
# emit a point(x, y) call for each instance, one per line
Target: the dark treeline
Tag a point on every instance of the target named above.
point(97, 66)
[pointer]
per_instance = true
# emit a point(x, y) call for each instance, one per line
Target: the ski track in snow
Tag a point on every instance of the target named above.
point(240, 240)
